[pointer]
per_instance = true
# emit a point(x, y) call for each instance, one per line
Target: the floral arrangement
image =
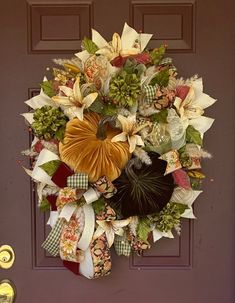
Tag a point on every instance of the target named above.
point(117, 150)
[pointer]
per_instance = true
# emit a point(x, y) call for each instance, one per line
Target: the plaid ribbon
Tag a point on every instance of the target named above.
point(78, 180)
point(52, 242)
point(122, 246)
point(105, 187)
point(150, 92)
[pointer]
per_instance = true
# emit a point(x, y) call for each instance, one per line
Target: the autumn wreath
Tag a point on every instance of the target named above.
point(117, 150)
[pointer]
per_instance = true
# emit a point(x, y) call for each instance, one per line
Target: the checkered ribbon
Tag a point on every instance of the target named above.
point(122, 246)
point(150, 93)
point(78, 180)
point(52, 242)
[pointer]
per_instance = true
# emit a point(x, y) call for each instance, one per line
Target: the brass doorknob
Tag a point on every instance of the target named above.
point(7, 257)
point(7, 291)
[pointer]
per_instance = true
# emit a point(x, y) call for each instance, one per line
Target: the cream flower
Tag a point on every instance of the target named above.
point(110, 228)
point(38, 101)
point(192, 107)
point(129, 132)
point(130, 43)
point(73, 103)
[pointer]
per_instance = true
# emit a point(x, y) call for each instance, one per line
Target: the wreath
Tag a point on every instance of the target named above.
point(117, 150)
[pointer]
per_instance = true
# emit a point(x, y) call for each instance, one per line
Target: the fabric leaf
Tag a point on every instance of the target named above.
point(161, 78)
point(160, 117)
point(193, 135)
point(89, 45)
point(157, 54)
point(50, 167)
point(99, 206)
point(144, 227)
point(48, 88)
point(44, 205)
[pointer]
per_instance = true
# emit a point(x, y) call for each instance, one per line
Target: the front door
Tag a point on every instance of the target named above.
point(199, 266)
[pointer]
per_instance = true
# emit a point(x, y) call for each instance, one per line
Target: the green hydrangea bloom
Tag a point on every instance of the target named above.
point(124, 89)
point(49, 123)
point(169, 216)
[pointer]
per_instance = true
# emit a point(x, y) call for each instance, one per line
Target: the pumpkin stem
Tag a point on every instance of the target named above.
point(101, 132)
point(129, 168)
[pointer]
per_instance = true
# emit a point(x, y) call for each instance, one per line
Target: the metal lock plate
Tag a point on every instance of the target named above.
point(7, 257)
point(7, 292)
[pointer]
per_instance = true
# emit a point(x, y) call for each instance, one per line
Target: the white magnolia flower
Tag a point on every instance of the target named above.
point(157, 234)
point(130, 43)
point(36, 102)
point(73, 103)
point(110, 228)
point(192, 107)
point(129, 132)
point(187, 197)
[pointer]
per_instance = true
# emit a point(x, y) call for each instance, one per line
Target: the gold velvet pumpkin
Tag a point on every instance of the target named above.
point(84, 151)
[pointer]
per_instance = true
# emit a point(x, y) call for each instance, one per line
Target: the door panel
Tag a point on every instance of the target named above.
point(199, 266)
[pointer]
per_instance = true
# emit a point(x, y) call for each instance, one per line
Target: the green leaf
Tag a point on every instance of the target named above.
point(144, 227)
point(193, 136)
point(50, 167)
point(162, 78)
point(109, 110)
point(160, 117)
point(44, 205)
point(89, 45)
point(47, 88)
point(99, 206)
point(97, 106)
point(157, 54)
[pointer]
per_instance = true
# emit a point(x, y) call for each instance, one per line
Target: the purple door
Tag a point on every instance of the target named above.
point(198, 266)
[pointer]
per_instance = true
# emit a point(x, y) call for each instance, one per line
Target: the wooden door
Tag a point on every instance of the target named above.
point(199, 266)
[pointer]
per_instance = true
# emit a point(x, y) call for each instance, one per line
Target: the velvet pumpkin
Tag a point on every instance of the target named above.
point(143, 189)
point(87, 148)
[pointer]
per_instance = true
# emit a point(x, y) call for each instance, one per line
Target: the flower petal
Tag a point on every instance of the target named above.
point(67, 91)
point(83, 56)
point(78, 111)
point(127, 122)
point(110, 236)
point(132, 142)
point(139, 140)
point(76, 90)
point(157, 234)
point(98, 39)
point(62, 100)
point(129, 36)
point(204, 101)
point(121, 223)
point(185, 196)
point(28, 117)
point(120, 137)
point(40, 100)
point(188, 213)
point(202, 124)
point(99, 231)
point(89, 99)
point(116, 43)
point(144, 40)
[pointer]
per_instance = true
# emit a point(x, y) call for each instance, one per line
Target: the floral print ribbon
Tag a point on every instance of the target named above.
point(105, 187)
point(101, 256)
point(173, 161)
point(71, 233)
